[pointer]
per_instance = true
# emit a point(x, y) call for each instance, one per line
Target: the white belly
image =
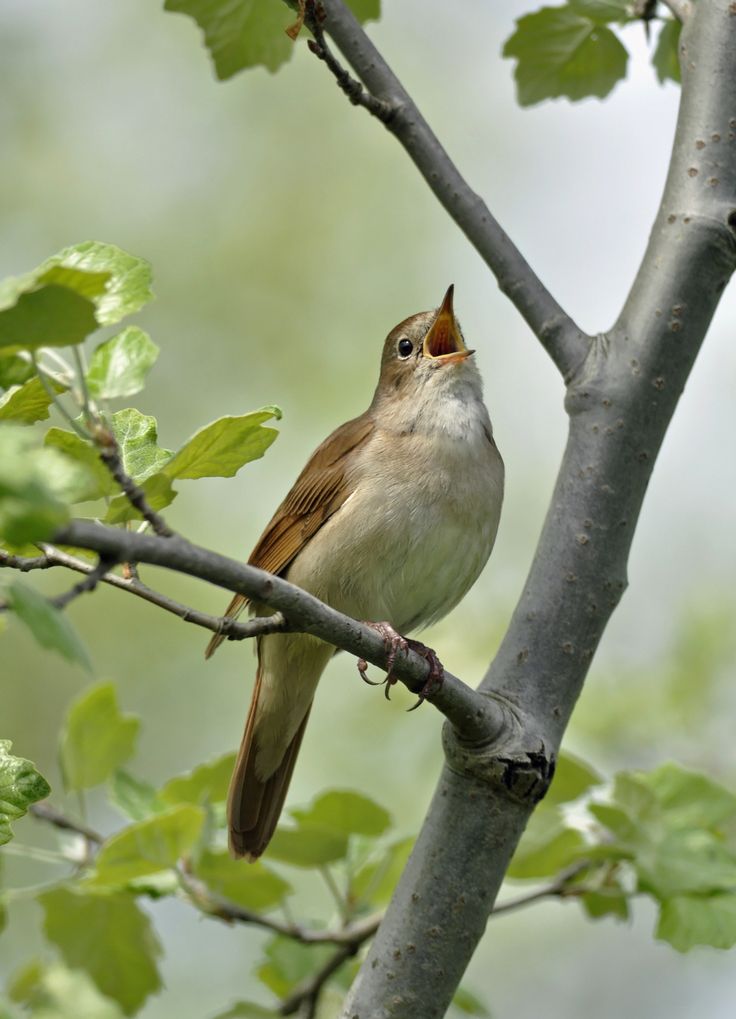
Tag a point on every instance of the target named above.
point(416, 532)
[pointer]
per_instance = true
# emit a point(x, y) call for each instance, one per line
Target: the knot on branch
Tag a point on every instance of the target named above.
point(516, 762)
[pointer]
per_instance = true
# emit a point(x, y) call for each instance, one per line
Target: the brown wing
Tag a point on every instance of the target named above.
point(319, 491)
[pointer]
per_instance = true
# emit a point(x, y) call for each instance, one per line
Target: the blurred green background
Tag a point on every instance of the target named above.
point(288, 234)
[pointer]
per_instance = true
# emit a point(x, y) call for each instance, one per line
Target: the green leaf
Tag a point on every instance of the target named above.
point(561, 53)
point(119, 366)
point(28, 403)
point(666, 57)
point(683, 861)
point(547, 845)
point(20, 786)
point(136, 434)
point(344, 811)
point(221, 448)
point(70, 294)
point(135, 798)
point(688, 920)
point(253, 886)
point(307, 847)
point(249, 33)
point(600, 904)
point(288, 963)
point(572, 778)
point(158, 491)
point(35, 484)
point(15, 369)
point(374, 883)
point(109, 938)
point(55, 992)
point(147, 846)
point(207, 783)
point(466, 1002)
point(96, 738)
point(49, 626)
point(689, 798)
point(603, 10)
point(97, 482)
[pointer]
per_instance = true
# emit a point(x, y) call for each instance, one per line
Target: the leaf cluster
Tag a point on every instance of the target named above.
point(575, 51)
point(669, 834)
point(172, 844)
point(46, 474)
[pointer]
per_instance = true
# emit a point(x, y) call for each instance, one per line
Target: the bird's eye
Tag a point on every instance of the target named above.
point(405, 347)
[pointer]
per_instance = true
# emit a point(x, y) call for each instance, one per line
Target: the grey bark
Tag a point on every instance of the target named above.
point(620, 402)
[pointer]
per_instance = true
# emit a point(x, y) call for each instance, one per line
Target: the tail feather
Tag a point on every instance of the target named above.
point(254, 803)
point(233, 610)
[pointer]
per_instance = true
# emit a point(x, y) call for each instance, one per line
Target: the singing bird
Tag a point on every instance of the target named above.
point(392, 519)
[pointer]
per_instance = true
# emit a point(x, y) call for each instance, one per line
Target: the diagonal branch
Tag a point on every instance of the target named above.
point(386, 98)
point(475, 717)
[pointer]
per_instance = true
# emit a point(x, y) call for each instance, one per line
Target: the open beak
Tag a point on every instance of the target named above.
point(443, 342)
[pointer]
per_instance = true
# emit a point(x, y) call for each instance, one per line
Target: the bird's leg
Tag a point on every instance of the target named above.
point(393, 641)
point(436, 671)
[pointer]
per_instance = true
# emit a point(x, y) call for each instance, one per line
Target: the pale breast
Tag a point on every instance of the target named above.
point(418, 529)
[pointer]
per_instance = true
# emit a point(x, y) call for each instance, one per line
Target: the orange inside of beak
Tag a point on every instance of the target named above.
point(444, 339)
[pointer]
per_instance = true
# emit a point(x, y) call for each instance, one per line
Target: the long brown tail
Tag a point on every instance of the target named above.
point(254, 805)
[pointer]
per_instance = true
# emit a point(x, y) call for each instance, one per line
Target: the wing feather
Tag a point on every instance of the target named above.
point(318, 492)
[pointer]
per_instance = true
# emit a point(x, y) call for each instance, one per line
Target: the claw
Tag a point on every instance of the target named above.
point(436, 672)
point(363, 670)
point(393, 642)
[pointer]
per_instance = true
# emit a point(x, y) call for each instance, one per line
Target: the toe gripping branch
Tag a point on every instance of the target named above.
point(394, 643)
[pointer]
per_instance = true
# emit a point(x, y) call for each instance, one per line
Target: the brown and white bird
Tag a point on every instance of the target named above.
point(393, 518)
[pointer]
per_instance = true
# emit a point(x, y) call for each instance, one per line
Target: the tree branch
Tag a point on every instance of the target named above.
point(45, 812)
point(90, 582)
point(386, 98)
point(478, 718)
point(229, 627)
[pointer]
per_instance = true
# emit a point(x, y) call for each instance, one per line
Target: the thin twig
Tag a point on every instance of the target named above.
point(314, 16)
point(45, 812)
point(307, 993)
point(563, 340)
point(230, 912)
point(109, 451)
point(561, 887)
point(228, 627)
point(90, 582)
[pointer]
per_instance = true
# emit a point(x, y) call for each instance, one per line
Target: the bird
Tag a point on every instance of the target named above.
point(391, 521)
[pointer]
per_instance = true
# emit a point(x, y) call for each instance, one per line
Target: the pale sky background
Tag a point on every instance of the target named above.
point(288, 233)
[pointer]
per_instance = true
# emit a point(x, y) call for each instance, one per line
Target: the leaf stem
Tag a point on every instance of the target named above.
point(90, 413)
point(74, 425)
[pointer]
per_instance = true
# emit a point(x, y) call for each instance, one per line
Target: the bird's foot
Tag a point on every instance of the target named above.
point(436, 672)
point(393, 642)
